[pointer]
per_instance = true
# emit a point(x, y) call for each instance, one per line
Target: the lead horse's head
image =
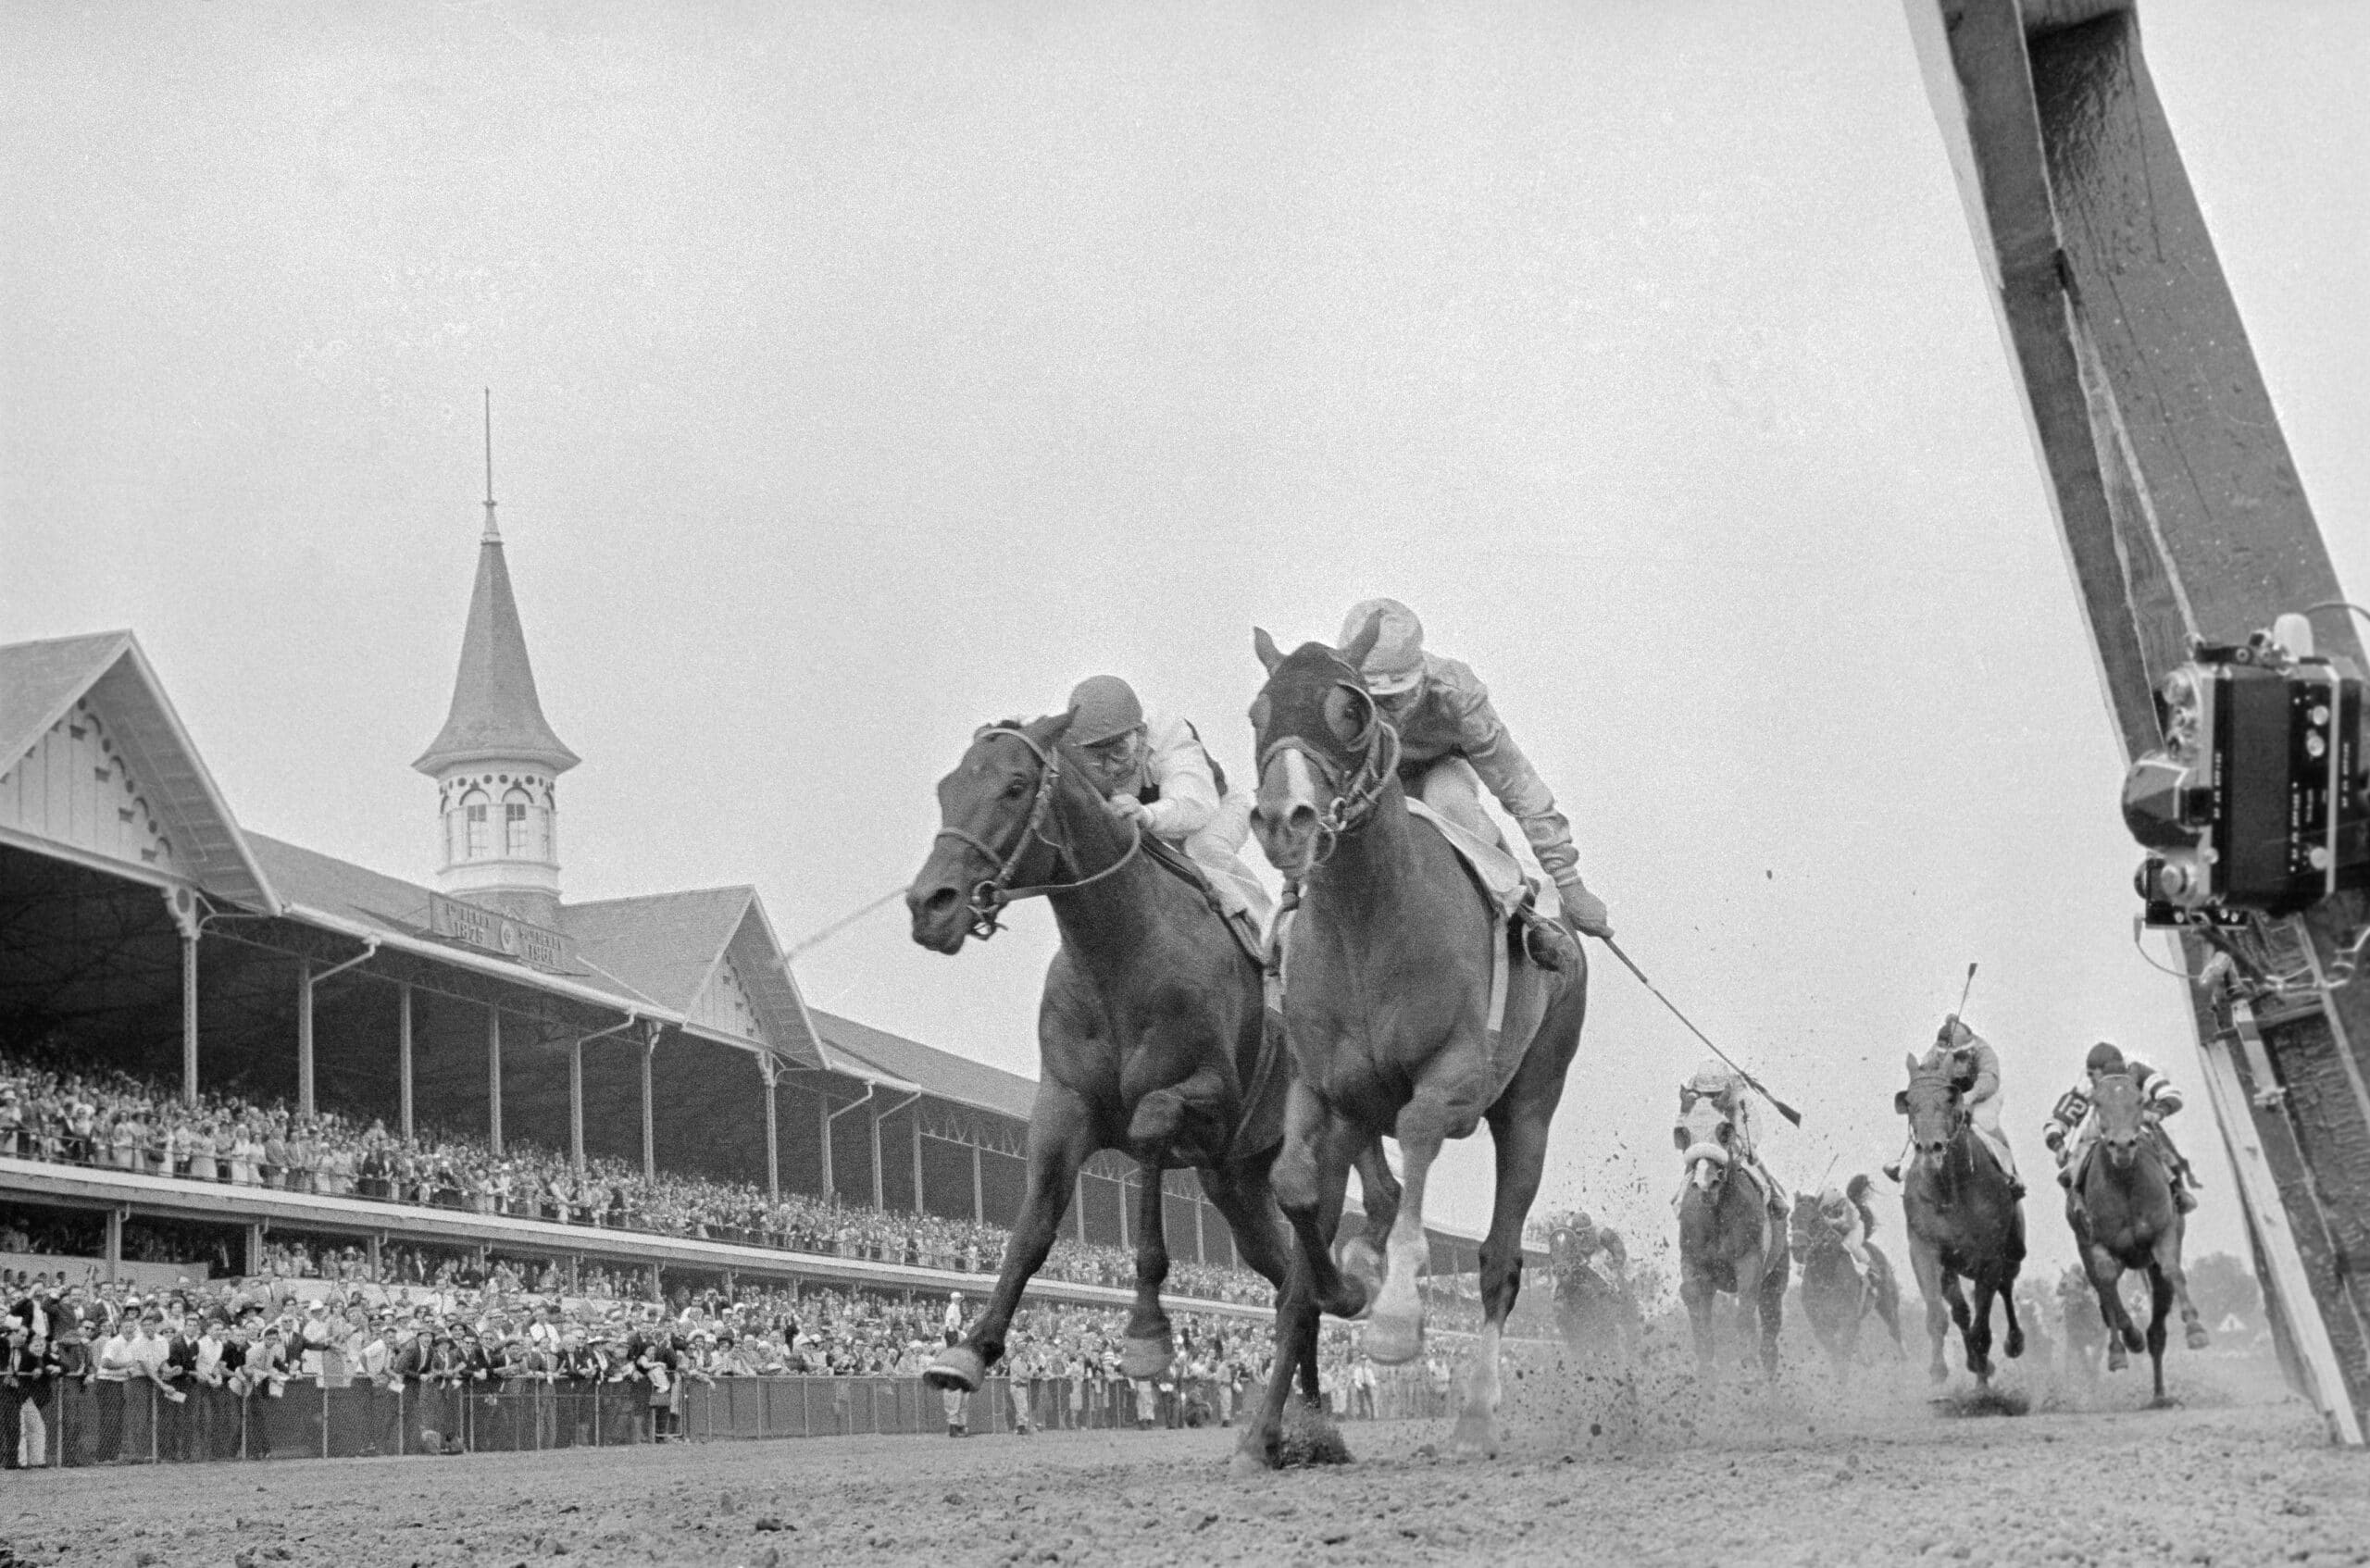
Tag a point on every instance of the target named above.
point(994, 812)
point(1325, 753)
point(1704, 1138)
point(1935, 1104)
point(2121, 1117)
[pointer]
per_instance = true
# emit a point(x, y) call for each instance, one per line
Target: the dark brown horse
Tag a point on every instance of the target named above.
point(1836, 1295)
point(2128, 1220)
point(1152, 1035)
point(1965, 1221)
point(1388, 1006)
point(1729, 1240)
point(1596, 1309)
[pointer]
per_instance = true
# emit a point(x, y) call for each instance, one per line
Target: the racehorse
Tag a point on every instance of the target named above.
point(1730, 1239)
point(1153, 1036)
point(1389, 974)
point(2128, 1220)
point(1965, 1220)
point(1837, 1296)
point(1596, 1316)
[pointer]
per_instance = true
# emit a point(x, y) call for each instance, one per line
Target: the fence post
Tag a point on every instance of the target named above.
point(403, 1422)
point(325, 1417)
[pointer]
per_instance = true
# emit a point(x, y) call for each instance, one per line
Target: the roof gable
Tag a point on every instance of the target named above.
point(154, 773)
point(690, 952)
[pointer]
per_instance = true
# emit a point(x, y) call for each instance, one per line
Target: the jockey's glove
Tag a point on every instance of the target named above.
point(1127, 808)
point(1583, 911)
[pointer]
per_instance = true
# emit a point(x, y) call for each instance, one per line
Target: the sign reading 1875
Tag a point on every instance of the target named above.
point(497, 932)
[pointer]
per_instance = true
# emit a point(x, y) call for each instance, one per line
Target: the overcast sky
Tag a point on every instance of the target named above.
point(859, 380)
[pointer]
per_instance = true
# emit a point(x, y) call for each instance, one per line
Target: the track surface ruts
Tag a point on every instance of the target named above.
point(1803, 1479)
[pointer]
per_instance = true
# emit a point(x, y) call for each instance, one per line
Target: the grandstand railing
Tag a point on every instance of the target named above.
point(136, 1422)
point(223, 1203)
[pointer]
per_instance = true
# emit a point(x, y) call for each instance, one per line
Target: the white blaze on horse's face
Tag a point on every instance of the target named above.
point(1288, 812)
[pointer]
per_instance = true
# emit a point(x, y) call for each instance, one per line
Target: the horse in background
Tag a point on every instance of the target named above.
point(1963, 1217)
point(1731, 1239)
point(1596, 1310)
point(1153, 1037)
point(1837, 1296)
point(2128, 1220)
point(1397, 1025)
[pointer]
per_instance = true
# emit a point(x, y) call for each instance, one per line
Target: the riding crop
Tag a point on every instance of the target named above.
point(1753, 1083)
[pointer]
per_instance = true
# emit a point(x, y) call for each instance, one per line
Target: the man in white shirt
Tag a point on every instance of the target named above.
point(136, 1354)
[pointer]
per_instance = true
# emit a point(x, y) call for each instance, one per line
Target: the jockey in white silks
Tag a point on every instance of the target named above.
point(1723, 1087)
point(1158, 774)
point(1968, 1055)
point(1848, 1223)
point(1451, 743)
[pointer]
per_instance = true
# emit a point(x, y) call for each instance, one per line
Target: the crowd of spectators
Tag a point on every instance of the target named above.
point(262, 1335)
point(114, 1121)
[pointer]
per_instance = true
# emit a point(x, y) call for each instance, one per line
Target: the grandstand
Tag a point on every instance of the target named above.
point(145, 932)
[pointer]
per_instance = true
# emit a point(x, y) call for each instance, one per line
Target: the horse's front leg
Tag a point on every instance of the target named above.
point(1926, 1264)
point(1146, 1350)
point(1978, 1329)
point(2105, 1272)
point(1245, 1198)
point(2016, 1346)
point(2160, 1307)
point(1060, 1139)
point(2167, 1257)
point(1518, 1137)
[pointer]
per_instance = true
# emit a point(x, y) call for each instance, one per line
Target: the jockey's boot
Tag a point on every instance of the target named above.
point(1892, 1172)
point(1549, 944)
point(2183, 1198)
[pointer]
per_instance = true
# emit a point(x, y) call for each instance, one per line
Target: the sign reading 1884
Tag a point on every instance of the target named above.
point(497, 932)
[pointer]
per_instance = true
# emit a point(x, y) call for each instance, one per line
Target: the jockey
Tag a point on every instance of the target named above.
point(1848, 1221)
point(1724, 1087)
point(1968, 1055)
point(2072, 1115)
point(1451, 743)
point(1155, 772)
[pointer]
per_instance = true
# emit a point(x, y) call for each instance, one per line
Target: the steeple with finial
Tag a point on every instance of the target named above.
point(497, 759)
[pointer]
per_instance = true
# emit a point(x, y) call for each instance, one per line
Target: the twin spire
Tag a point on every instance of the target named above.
point(496, 714)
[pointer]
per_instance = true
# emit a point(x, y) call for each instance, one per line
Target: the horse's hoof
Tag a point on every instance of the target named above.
point(1248, 1463)
point(957, 1367)
point(2016, 1342)
point(1477, 1437)
point(1395, 1341)
point(1146, 1358)
point(2117, 1358)
point(2134, 1341)
point(2197, 1336)
point(2164, 1402)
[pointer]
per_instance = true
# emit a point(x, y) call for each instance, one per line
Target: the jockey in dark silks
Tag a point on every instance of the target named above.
point(1451, 743)
point(2071, 1116)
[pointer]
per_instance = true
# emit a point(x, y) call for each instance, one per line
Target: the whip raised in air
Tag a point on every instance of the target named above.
point(1752, 1083)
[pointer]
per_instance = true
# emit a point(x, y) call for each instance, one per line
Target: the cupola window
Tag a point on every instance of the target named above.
point(480, 830)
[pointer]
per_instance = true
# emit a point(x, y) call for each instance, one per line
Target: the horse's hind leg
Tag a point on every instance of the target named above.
point(1362, 1255)
point(1146, 1350)
point(1518, 1139)
point(1059, 1139)
point(1773, 1310)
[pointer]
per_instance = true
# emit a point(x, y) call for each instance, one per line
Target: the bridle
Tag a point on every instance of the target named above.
point(990, 895)
point(1962, 1118)
point(1355, 797)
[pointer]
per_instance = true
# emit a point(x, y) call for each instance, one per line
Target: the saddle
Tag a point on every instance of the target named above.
point(1179, 864)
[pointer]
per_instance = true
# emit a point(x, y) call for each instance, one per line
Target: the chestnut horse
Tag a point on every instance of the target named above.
point(1389, 970)
point(2128, 1220)
point(1152, 1036)
point(1964, 1219)
point(1731, 1239)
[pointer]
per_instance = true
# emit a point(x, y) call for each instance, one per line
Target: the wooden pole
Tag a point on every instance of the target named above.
point(493, 1078)
point(576, 1104)
point(304, 1036)
point(403, 1053)
point(2183, 518)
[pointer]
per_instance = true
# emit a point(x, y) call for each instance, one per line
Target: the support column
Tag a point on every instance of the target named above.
point(493, 1078)
point(1125, 1245)
point(878, 1200)
point(252, 1261)
point(915, 1111)
point(823, 1131)
point(576, 1104)
point(1078, 1203)
point(978, 1189)
point(1201, 1244)
point(403, 1053)
point(374, 1250)
point(183, 907)
point(305, 1036)
point(648, 1137)
point(114, 1252)
point(773, 1132)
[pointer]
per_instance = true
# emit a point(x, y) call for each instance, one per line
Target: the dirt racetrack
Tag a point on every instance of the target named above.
point(1595, 1470)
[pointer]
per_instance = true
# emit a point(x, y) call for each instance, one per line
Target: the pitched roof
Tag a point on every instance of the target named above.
point(495, 714)
point(40, 683)
point(941, 1073)
point(669, 947)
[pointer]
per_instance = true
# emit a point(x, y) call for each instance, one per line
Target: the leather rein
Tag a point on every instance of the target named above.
point(1355, 798)
point(989, 896)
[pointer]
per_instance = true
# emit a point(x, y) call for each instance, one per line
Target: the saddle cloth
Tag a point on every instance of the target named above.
point(1518, 994)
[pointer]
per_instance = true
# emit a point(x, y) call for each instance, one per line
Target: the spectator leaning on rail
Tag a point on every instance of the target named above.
point(2073, 1114)
point(1451, 743)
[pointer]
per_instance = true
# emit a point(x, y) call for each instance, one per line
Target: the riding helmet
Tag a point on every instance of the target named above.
point(2104, 1058)
point(1103, 706)
point(1395, 663)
